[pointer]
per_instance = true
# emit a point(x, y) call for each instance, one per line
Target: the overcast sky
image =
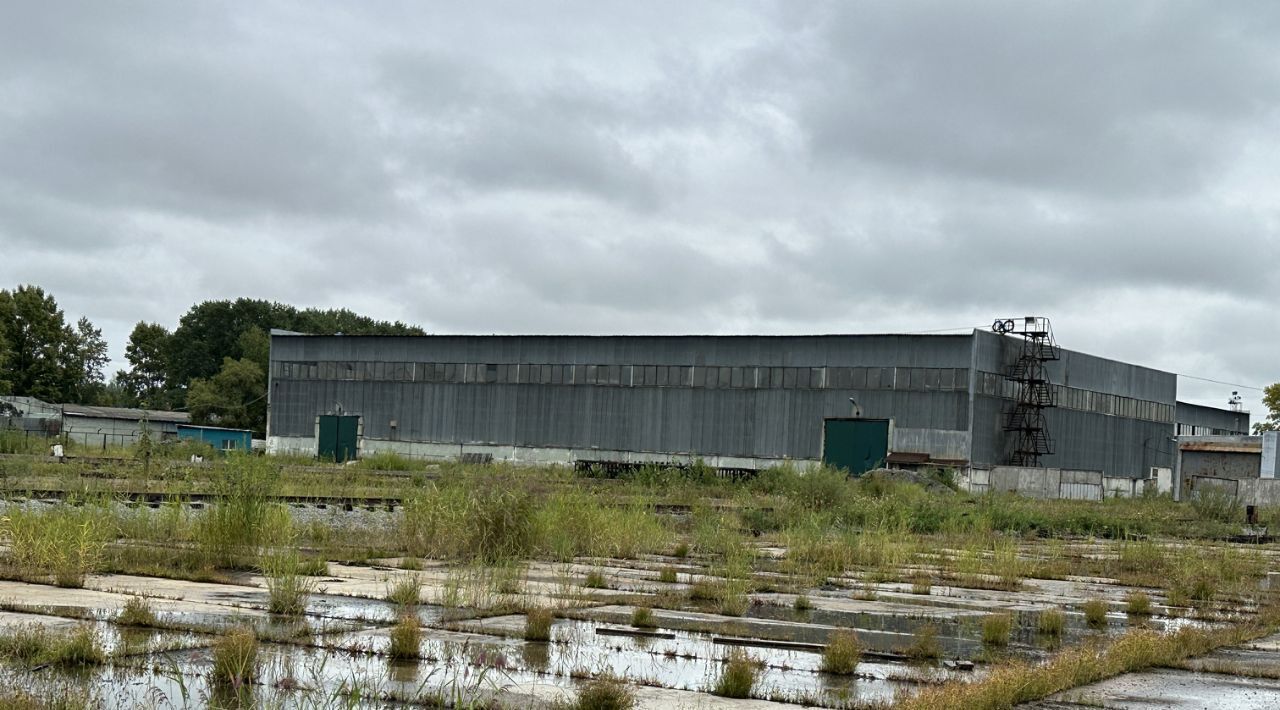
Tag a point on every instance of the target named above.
point(598, 167)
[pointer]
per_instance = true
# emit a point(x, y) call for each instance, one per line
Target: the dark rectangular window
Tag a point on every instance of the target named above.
point(917, 378)
point(736, 377)
point(662, 376)
point(613, 375)
point(789, 377)
point(902, 378)
point(725, 377)
point(946, 379)
point(651, 374)
point(544, 374)
point(775, 377)
point(490, 373)
point(638, 373)
point(843, 377)
point(589, 374)
point(817, 377)
point(858, 378)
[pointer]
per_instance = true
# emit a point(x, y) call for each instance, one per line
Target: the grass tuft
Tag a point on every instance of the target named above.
point(136, 612)
point(1051, 623)
point(738, 676)
point(537, 624)
point(608, 692)
point(996, 629)
point(667, 575)
point(642, 618)
point(406, 638)
point(406, 591)
point(38, 646)
point(1138, 604)
point(842, 653)
point(1095, 613)
point(288, 589)
point(235, 658)
point(595, 580)
point(925, 648)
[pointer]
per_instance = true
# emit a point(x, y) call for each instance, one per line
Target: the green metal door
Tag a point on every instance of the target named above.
point(338, 437)
point(856, 445)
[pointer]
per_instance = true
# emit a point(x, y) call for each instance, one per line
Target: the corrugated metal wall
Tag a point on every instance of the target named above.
point(781, 422)
point(1085, 440)
point(1199, 420)
point(727, 421)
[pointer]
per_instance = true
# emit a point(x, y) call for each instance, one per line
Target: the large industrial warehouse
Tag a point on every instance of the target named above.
point(970, 401)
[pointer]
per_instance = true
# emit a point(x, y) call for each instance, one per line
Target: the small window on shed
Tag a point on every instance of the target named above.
point(490, 373)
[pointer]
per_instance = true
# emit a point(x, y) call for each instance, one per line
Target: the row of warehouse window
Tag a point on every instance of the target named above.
point(1082, 400)
point(1196, 430)
point(716, 377)
point(711, 376)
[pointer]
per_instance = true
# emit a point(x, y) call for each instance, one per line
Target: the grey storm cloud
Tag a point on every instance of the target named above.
point(659, 167)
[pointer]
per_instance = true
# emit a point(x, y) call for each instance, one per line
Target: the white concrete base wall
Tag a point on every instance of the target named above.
point(1050, 483)
point(527, 455)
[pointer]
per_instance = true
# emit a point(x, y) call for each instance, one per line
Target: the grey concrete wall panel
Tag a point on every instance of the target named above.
point(1220, 464)
point(938, 443)
point(1270, 454)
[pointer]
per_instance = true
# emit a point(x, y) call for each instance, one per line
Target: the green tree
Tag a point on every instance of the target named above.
point(46, 358)
point(5, 385)
point(1270, 400)
point(213, 330)
point(236, 397)
point(116, 394)
point(86, 355)
point(147, 379)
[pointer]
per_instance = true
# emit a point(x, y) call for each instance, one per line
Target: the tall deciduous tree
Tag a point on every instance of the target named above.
point(5, 385)
point(46, 357)
point(86, 357)
point(147, 379)
point(1270, 400)
point(235, 397)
